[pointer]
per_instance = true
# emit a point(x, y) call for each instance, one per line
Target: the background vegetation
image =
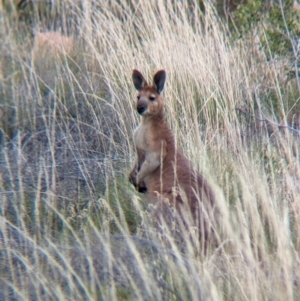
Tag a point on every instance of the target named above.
point(71, 226)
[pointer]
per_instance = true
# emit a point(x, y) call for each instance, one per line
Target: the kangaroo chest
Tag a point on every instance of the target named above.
point(142, 138)
point(149, 141)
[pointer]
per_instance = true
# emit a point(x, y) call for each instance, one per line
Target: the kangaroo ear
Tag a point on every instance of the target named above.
point(138, 80)
point(159, 80)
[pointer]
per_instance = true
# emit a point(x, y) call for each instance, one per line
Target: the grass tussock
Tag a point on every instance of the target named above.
point(72, 227)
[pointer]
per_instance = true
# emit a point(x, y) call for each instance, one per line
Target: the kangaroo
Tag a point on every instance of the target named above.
point(161, 171)
point(53, 41)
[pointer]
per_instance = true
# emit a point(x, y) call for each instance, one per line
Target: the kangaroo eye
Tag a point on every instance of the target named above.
point(151, 98)
point(138, 97)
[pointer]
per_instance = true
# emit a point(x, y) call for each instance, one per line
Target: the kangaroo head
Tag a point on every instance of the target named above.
point(149, 100)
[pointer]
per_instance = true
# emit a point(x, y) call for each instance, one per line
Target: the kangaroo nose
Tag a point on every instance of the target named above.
point(141, 108)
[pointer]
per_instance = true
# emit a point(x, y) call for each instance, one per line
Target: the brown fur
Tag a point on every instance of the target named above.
point(53, 41)
point(161, 170)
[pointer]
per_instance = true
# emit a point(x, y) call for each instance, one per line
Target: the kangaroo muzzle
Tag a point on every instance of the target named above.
point(141, 108)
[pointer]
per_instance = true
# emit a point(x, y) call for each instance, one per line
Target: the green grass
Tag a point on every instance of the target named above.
point(71, 225)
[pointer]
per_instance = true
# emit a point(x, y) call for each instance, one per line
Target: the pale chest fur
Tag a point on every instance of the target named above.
point(142, 137)
point(149, 143)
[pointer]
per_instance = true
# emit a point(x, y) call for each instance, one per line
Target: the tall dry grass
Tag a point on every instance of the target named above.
point(72, 228)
